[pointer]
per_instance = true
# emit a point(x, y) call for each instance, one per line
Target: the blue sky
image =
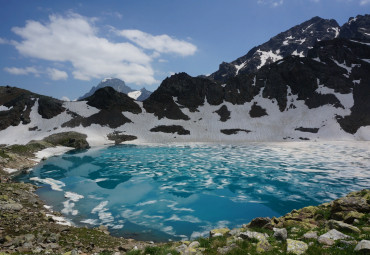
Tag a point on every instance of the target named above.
point(63, 48)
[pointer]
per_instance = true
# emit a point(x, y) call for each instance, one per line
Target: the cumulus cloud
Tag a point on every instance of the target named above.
point(22, 71)
point(56, 74)
point(74, 39)
point(159, 43)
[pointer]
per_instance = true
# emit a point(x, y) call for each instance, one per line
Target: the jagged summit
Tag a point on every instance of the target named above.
point(296, 41)
point(119, 86)
point(356, 28)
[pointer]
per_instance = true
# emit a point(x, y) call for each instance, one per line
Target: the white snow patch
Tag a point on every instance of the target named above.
point(345, 99)
point(134, 94)
point(360, 42)
point(90, 221)
point(73, 196)
point(59, 220)
point(268, 55)
point(299, 54)
point(68, 208)
point(106, 79)
point(301, 41)
point(81, 108)
point(54, 184)
point(366, 60)
point(52, 151)
point(4, 108)
point(10, 170)
point(344, 66)
point(238, 67)
point(147, 203)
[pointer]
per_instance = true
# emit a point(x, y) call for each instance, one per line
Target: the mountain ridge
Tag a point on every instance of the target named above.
point(322, 96)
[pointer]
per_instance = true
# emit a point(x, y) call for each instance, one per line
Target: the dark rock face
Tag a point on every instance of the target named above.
point(224, 113)
point(234, 131)
point(257, 111)
point(112, 104)
point(190, 92)
point(118, 137)
point(107, 98)
point(356, 28)
point(112, 118)
point(117, 84)
point(308, 130)
point(69, 139)
point(21, 101)
point(144, 94)
point(295, 41)
point(180, 130)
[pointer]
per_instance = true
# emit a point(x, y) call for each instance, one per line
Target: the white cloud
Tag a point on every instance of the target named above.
point(22, 71)
point(74, 39)
point(159, 43)
point(273, 3)
point(56, 74)
point(364, 2)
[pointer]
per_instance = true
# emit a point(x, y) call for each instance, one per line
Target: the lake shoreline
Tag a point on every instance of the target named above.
point(24, 203)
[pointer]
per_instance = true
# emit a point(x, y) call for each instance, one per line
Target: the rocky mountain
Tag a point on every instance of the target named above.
point(296, 41)
point(324, 95)
point(119, 86)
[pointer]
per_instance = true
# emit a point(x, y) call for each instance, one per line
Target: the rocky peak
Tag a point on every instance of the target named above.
point(107, 98)
point(116, 84)
point(356, 28)
point(295, 41)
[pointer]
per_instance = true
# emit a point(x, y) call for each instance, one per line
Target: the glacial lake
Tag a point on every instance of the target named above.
point(162, 192)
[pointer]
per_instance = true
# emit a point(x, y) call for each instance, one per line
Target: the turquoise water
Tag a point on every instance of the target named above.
point(181, 192)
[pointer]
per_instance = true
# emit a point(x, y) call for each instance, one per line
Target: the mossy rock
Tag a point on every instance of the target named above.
point(219, 232)
point(68, 139)
point(301, 224)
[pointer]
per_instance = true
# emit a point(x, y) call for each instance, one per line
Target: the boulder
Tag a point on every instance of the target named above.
point(253, 235)
point(296, 247)
point(334, 235)
point(351, 216)
point(263, 246)
point(280, 233)
point(363, 246)
point(11, 207)
point(333, 224)
point(259, 222)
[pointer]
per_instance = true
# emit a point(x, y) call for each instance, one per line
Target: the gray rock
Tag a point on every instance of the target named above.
point(194, 244)
point(182, 248)
point(253, 235)
point(335, 235)
point(11, 207)
point(364, 245)
point(310, 235)
point(296, 247)
point(280, 233)
point(325, 241)
point(340, 225)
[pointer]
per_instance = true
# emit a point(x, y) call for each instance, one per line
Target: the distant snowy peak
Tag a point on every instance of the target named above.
point(295, 41)
point(119, 86)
